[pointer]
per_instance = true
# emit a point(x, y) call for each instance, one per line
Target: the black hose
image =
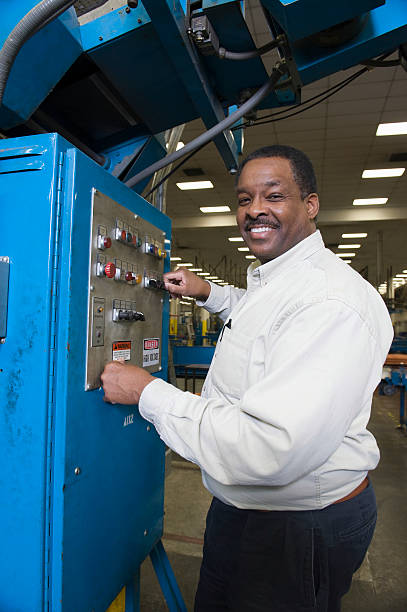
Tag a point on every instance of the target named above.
point(245, 55)
point(34, 20)
point(278, 71)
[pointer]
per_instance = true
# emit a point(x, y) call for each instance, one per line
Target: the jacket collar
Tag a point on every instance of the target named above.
point(260, 275)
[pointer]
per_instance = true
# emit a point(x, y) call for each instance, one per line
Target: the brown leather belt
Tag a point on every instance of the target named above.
point(355, 492)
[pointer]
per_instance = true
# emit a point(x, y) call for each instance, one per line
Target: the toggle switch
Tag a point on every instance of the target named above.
point(104, 242)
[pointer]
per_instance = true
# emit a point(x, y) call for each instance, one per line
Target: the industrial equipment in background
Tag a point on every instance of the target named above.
point(87, 90)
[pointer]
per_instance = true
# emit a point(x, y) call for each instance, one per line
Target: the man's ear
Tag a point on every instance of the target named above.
point(312, 204)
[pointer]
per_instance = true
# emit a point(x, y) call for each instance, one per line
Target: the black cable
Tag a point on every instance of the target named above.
point(279, 70)
point(167, 176)
point(245, 55)
point(334, 89)
point(381, 64)
point(302, 110)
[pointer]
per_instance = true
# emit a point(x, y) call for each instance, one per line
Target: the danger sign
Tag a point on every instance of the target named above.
point(151, 351)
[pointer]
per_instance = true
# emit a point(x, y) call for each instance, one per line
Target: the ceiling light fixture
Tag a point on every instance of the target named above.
point(346, 260)
point(369, 201)
point(175, 258)
point(383, 173)
point(345, 254)
point(245, 249)
point(195, 269)
point(250, 257)
point(195, 185)
point(235, 239)
point(361, 235)
point(392, 129)
point(203, 273)
point(184, 265)
point(211, 278)
point(348, 246)
point(214, 209)
point(180, 145)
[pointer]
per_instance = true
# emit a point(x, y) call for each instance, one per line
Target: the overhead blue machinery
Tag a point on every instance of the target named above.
point(86, 94)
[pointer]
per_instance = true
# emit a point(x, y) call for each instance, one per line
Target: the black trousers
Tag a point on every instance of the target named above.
point(283, 561)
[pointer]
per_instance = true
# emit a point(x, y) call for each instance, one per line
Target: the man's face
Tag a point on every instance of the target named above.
point(271, 215)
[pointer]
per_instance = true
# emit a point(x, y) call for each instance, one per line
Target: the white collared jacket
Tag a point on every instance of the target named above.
point(281, 422)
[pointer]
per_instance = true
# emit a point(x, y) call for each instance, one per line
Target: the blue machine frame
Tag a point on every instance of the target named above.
point(84, 502)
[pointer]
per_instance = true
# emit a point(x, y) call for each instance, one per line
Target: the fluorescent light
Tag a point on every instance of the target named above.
point(345, 254)
point(369, 201)
point(214, 209)
point(195, 185)
point(402, 275)
point(186, 297)
point(235, 239)
point(383, 173)
point(203, 273)
point(361, 235)
point(346, 260)
point(186, 303)
point(348, 246)
point(211, 278)
point(175, 258)
point(185, 265)
point(404, 271)
point(392, 129)
point(179, 145)
point(250, 257)
point(243, 249)
point(196, 269)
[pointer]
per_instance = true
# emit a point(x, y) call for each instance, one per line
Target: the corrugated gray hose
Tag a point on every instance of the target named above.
point(39, 16)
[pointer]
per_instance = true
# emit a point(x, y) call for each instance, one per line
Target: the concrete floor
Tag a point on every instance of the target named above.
point(379, 586)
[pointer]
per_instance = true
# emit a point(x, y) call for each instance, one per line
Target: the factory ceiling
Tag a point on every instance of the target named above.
point(339, 135)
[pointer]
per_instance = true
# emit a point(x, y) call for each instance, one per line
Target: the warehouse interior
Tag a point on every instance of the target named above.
point(109, 504)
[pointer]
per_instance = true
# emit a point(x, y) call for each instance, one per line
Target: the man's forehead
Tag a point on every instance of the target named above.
point(268, 183)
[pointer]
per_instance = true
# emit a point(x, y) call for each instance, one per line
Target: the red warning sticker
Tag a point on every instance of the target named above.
point(121, 350)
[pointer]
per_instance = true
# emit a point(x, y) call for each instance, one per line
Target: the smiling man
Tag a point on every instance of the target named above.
point(279, 431)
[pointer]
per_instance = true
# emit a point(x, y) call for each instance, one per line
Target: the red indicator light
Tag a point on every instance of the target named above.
point(107, 242)
point(110, 269)
point(123, 234)
point(129, 276)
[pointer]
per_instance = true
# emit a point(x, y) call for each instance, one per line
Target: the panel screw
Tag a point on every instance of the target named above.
point(148, 427)
point(2, 341)
point(128, 9)
point(77, 471)
point(139, 21)
point(100, 37)
point(92, 288)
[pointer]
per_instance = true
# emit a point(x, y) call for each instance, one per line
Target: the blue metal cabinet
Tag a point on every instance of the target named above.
point(81, 481)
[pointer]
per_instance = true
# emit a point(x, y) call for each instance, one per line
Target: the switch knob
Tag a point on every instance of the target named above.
point(110, 269)
point(129, 277)
point(138, 316)
point(129, 237)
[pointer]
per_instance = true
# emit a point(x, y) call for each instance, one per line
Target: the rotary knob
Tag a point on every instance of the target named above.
point(110, 269)
point(129, 277)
